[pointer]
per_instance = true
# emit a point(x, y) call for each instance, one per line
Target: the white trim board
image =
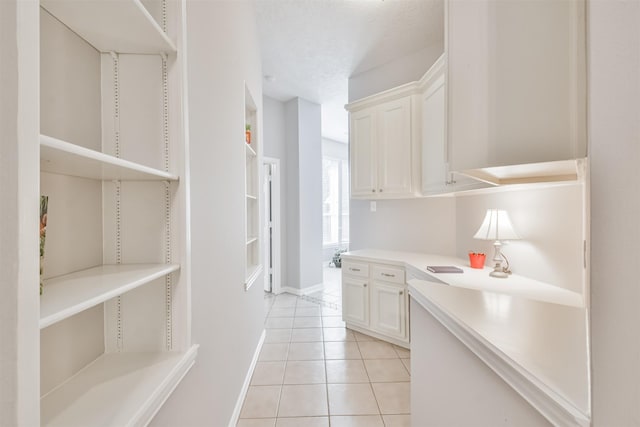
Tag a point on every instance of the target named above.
point(302, 292)
point(235, 416)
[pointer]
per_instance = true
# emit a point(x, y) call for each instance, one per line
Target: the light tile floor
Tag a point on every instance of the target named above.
point(314, 372)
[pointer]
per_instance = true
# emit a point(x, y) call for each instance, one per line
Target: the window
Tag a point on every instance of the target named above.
point(335, 201)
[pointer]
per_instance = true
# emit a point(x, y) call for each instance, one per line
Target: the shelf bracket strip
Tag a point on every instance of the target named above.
point(116, 136)
point(167, 196)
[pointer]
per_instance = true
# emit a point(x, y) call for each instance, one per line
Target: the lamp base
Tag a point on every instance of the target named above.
point(500, 274)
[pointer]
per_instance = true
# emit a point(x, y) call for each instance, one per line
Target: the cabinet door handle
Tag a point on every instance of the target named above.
point(401, 292)
point(388, 275)
point(365, 285)
point(380, 190)
point(373, 190)
point(354, 269)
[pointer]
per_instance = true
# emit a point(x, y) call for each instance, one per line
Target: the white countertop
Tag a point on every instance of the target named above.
point(532, 334)
point(471, 278)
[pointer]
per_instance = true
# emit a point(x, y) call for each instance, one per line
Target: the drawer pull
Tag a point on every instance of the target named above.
point(354, 269)
point(365, 285)
point(401, 292)
point(388, 275)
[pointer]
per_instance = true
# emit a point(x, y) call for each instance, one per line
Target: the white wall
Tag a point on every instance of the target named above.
point(274, 146)
point(614, 99)
point(292, 277)
point(414, 225)
point(19, 305)
point(335, 149)
point(403, 70)
point(226, 321)
point(549, 220)
point(304, 193)
point(310, 174)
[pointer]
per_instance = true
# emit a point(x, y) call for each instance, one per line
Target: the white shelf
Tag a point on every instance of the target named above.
point(70, 294)
point(251, 240)
point(253, 271)
point(61, 157)
point(250, 150)
point(122, 26)
point(117, 389)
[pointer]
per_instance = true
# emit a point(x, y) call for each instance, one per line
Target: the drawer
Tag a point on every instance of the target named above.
point(357, 269)
point(388, 274)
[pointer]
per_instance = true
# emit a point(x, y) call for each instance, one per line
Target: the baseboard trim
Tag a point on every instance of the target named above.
point(302, 292)
point(247, 381)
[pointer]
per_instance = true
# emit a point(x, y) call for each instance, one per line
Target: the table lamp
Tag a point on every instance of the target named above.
point(497, 227)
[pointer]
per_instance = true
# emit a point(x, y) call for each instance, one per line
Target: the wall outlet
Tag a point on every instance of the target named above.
point(372, 206)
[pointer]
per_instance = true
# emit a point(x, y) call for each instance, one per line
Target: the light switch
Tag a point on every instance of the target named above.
point(373, 206)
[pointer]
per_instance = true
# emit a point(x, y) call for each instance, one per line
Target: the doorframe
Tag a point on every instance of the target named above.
point(276, 247)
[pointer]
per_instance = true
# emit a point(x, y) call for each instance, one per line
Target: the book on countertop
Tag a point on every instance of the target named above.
point(444, 269)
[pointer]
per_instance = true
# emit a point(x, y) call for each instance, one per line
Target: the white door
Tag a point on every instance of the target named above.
point(355, 301)
point(394, 147)
point(362, 142)
point(271, 225)
point(267, 230)
point(388, 309)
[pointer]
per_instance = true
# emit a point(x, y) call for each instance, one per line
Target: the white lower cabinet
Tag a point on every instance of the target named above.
point(355, 301)
point(375, 302)
point(389, 309)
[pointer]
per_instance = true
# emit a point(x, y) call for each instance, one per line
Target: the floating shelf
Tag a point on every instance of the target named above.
point(117, 389)
point(70, 294)
point(122, 26)
point(250, 150)
point(61, 157)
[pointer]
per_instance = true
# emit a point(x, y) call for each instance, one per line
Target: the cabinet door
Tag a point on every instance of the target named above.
point(355, 301)
point(516, 93)
point(362, 143)
point(388, 309)
point(434, 152)
point(394, 147)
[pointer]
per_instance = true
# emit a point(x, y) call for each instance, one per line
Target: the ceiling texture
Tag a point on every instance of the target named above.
point(310, 48)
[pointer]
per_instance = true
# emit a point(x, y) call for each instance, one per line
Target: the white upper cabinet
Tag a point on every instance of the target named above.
point(364, 178)
point(383, 151)
point(394, 147)
point(516, 82)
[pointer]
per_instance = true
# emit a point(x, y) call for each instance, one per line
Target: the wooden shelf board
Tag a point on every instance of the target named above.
point(70, 294)
point(250, 150)
point(61, 157)
point(122, 26)
point(123, 389)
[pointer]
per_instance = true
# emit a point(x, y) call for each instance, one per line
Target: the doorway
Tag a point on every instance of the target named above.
point(271, 225)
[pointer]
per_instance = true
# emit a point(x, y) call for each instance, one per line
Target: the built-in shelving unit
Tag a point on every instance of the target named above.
point(113, 26)
point(252, 199)
point(119, 389)
point(72, 293)
point(115, 312)
point(64, 158)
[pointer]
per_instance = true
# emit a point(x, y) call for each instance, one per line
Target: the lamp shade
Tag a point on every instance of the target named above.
point(496, 226)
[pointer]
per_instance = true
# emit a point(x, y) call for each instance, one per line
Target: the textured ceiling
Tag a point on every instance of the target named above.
point(312, 47)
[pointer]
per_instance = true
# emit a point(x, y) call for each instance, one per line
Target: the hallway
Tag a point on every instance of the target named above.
point(314, 372)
